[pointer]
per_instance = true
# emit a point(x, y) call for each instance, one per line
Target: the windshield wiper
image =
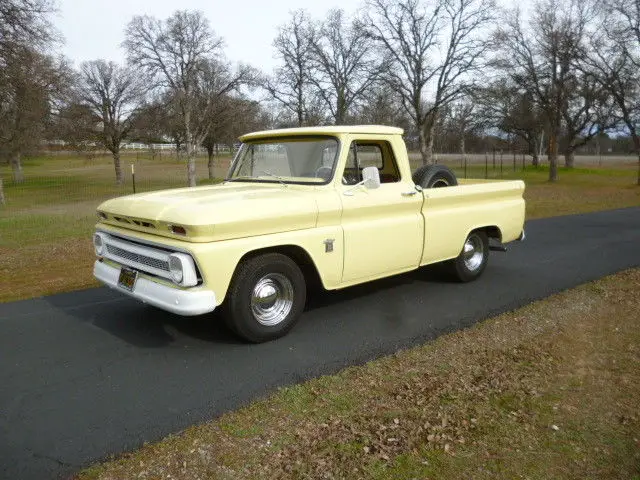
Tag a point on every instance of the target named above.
point(249, 177)
point(274, 176)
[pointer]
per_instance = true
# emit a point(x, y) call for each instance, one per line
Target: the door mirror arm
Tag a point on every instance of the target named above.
point(370, 179)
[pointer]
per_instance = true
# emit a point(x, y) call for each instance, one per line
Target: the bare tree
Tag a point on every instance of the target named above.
point(30, 86)
point(25, 23)
point(216, 81)
point(382, 106)
point(505, 106)
point(27, 76)
point(153, 120)
point(343, 63)
point(237, 116)
point(614, 59)
point(542, 59)
point(291, 85)
point(464, 119)
point(113, 93)
point(173, 52)
point(588, 112)
point(434, 50)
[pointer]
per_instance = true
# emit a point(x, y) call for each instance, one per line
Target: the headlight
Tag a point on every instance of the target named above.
point(98, 244)
point(175, 268)
point(182, 269)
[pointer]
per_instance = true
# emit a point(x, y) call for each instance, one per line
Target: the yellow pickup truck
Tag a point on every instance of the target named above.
point(329, 206)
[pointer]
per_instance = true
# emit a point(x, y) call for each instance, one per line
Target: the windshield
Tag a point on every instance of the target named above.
point(302, 160)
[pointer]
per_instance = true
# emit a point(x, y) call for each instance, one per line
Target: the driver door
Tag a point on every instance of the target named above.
point(383, 227)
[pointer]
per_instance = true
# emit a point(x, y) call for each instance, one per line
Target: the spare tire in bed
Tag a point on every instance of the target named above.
point(434, 176)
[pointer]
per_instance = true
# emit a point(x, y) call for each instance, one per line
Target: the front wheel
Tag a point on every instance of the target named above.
point(473, 258)
point(266, 297)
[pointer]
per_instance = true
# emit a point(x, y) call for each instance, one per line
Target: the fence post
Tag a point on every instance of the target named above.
point(133, 177)
point(523, 157)
point(465, 167)
point(501, 163)
point(494, 158)
point(514, 160)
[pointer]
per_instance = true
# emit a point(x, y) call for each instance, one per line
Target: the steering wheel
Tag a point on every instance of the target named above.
point(324, 173)
point(350, 176)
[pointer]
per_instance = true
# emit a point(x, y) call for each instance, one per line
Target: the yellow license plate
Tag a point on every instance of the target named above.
point(127, 279)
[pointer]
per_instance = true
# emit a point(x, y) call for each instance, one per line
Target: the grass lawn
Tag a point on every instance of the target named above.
point(47, 223)
point(550, 390)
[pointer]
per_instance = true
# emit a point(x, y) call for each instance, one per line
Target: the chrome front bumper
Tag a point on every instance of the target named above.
point(175, 300)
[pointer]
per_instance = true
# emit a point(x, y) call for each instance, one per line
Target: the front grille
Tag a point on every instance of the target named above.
point(148, 259)
point(137, 258)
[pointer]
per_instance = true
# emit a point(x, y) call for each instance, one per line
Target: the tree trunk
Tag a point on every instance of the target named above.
point(16, 167)
point(532, 143)
point(426, 142)
point(118, 167)
point(462, 149)
point(569, 157)
point(553, 157)
point(191, 154)
point(178, 144)
point(191, 164)
point(341, 110)
point(423, 145)
point(210, 160)
point(2, 201)
point(636, 144)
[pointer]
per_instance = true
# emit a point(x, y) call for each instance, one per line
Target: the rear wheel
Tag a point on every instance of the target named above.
point(473, 258)
point(266, 297)
point(434, 176)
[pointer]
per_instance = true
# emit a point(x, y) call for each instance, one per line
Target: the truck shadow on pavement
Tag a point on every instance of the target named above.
point(145, 326)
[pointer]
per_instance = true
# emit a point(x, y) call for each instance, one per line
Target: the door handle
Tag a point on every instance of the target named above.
point(410, 193)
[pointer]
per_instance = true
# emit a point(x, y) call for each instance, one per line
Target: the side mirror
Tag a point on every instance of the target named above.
point(371, 177)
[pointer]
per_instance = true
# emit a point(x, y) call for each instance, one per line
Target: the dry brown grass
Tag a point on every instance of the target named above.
point(547, 391)
point(547, 200)
point(47, 268)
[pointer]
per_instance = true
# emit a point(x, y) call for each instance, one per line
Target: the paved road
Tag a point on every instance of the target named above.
point(91, 373)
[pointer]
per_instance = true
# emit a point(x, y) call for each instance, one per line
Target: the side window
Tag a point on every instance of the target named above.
point(371, 154)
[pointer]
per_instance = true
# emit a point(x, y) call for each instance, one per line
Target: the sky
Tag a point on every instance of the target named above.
point(94, 29)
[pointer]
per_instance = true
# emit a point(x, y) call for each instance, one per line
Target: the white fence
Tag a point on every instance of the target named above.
point(219, 148)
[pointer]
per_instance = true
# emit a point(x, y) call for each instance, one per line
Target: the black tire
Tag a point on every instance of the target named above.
point(434, 176)
point(466, 267)
point(249, 306)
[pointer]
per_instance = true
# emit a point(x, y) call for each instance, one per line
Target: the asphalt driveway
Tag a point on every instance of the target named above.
point(93, 373)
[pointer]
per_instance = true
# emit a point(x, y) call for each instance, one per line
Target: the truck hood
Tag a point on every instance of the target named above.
point(216, 212)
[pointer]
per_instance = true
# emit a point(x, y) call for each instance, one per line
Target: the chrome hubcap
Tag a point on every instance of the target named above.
point(473, 253)
point(272, 299)
point(440, 183)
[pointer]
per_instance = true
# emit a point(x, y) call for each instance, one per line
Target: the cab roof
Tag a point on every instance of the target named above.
point(324, 130)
